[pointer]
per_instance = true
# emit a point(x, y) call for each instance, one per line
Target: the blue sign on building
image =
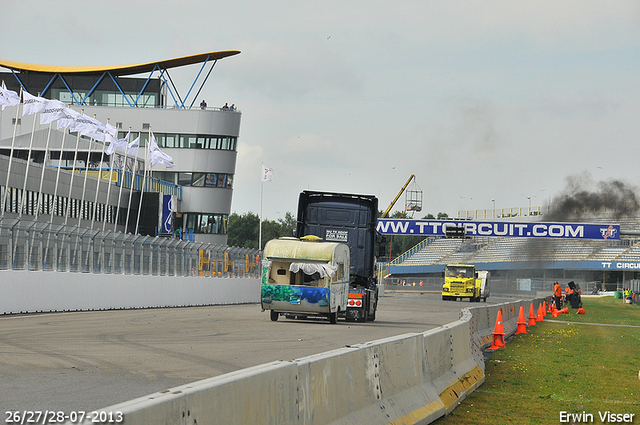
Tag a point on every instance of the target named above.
point(168, 207)
point(387, 226)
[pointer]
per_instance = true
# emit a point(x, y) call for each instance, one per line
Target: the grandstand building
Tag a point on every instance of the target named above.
point(529, 266)
point(93, 189)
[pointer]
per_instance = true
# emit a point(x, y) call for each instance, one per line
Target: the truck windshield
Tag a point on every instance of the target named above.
point(459, 272)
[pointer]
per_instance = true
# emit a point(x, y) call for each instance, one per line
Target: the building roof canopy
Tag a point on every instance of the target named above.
point(118, 70)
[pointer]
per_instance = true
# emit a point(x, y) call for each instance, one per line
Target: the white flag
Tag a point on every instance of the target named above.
point(53, 110)
point(111, 130)
point(8, 98)
point(92, 128)
point(68, 119)
point(159, 157)
point(32, 104)
point(132, 148)
point(267, 174)
point(109, 137)
point(110, 134)
point(156, 156)
point(118, 144)
point(153, 145)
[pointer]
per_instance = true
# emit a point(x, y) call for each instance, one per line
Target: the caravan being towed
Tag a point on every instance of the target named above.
point(305, 277)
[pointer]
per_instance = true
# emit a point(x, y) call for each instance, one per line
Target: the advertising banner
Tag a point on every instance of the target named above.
point(168, 207)
point(387, 226)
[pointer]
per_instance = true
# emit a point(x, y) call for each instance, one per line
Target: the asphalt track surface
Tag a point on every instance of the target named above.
point(91, 360)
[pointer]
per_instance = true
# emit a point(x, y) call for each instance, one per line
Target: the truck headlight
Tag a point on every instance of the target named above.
point(469, 289)
point(445, 289)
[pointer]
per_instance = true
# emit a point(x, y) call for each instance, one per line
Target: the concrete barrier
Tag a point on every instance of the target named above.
point(407, 379)
point(389, 384)
point(257, 395)
point(29, 292)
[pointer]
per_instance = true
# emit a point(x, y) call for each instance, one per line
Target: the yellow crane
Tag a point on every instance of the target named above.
point(412, 203)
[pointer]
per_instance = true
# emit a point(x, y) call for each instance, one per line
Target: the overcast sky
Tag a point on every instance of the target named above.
point(486, 100)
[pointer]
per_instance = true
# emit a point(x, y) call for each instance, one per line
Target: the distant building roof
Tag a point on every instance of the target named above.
point(118, 69)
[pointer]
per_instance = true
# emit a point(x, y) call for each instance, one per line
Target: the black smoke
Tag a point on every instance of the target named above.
point(613, 198)
point(582, 199)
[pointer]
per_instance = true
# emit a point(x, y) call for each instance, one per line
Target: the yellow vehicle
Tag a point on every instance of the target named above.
point(461, 281)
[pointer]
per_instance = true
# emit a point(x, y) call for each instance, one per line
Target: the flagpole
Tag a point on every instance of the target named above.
point(73, 172)
point(68, 210)
point(104, 219)
point(5, 192)
point(260, 218)
point(134, 168)
point(84, 183)
point(144, 177)
point(26, 173)
point(44, 165)
point(26, 177)
point(122, 180)
point(95, 201)
point(55, 190)
point(52, 206)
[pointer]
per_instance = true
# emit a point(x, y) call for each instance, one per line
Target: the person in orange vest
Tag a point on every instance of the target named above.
point(557, 295)
point(568, 293)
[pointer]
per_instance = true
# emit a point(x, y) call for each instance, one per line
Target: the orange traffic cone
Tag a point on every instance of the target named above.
point(532, 317)
point(544, 308)
point(581, 311)
point(498, 333)
point(539, 317)
point(555, 313)
point(564, 310)
point(522, 324)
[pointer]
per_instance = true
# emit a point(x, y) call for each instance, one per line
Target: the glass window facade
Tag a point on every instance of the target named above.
point(206, 223)
point(186, 141)
point(196, 179)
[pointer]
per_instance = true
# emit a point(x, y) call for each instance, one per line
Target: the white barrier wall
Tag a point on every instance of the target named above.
point(408, 379)
point(26, 291)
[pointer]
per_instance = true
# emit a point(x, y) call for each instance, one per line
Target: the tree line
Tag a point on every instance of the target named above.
point(243, 232)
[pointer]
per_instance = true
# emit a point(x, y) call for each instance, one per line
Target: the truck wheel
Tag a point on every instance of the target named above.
point(372, 316)
point(274, 315)
point(363, 316)
point(333, 318)
point(372, 313)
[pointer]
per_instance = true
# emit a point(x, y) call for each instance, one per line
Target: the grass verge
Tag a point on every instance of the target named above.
point(563, 364)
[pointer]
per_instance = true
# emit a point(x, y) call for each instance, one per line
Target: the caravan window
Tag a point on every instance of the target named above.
point(281, 274)
point(311, 280)
point(339, 276)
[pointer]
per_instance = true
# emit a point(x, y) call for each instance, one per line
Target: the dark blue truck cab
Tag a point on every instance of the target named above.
point(350, 219)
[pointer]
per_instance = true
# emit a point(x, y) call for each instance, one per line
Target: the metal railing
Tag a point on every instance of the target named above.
point(37, 246)
point(492, 213)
